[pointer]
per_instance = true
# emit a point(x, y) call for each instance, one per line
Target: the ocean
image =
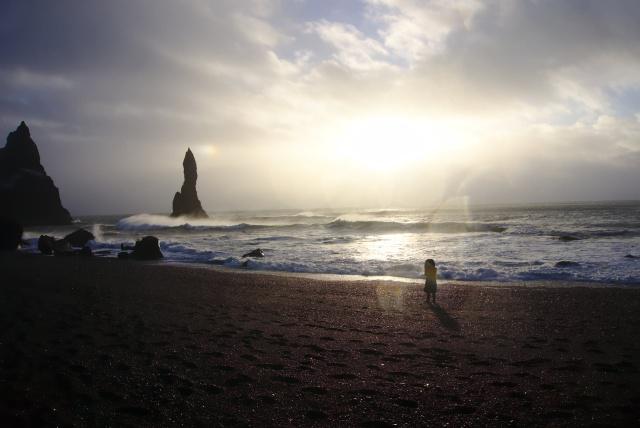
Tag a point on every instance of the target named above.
point(597, 242)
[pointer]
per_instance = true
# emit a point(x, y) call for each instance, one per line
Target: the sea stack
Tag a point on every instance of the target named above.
point(186, 202)
point(27, 193)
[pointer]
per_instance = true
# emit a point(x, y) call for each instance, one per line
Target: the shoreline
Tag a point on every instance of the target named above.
point(330, 277)
point(89, 341)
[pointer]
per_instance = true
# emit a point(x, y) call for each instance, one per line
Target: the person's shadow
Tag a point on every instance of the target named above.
point(445, 319)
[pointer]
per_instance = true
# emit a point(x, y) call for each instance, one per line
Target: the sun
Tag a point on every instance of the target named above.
point(384, 143)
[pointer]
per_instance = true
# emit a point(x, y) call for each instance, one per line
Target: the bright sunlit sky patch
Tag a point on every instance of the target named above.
point(306, 104)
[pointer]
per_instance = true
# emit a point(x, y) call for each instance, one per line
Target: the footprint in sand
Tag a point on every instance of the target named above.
point(458, 410)
point(407, 403)
point(370, 352)
point(344, 376)
point(377, 424)
point(267, 399)
point(317, 390)
point(402, 374)
point(212, 389)
point(134, 411)
point(222, 368)
point(123, 367)
point(185, 391)
point(366, 392)
point(504, 384)
point(248, 357)
point(316, 415)
point(270, 366)
point(531, 362)
point(238, 380)
point(110, 396)
point(286, 379)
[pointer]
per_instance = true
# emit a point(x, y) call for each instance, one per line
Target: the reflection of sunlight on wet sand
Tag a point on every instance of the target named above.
point(391, 298)
point(386, 247)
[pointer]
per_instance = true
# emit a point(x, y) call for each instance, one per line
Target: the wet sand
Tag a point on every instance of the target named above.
point(88, 341)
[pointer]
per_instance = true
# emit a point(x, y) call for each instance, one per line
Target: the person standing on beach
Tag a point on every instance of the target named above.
point(430, 284)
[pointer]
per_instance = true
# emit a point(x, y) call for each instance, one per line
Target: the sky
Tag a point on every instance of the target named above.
point(326, 103)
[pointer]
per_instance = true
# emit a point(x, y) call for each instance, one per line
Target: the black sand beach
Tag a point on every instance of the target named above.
point(98, 342)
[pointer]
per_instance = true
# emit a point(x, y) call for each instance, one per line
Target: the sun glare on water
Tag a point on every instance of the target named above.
point(388, 143)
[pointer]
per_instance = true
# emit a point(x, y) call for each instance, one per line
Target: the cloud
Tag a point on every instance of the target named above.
point(353, 49)
point(115, 92)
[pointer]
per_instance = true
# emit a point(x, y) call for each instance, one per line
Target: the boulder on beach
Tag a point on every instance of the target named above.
point(255, 253)
point(79, 238)
point(62, 248)
point(45, 244)
point(186, 202)
point(147, 248)
point(27, 193)
point(567, 264)
point(10, 234)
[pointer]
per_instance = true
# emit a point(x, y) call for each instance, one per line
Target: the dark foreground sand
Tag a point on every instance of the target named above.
point(109, 342)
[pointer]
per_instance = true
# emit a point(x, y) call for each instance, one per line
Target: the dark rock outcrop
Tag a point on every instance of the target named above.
point(147, 248)
point(27, 193)
point(79, 238)
point(10, 234)
point(255, 253)
point(186, 202)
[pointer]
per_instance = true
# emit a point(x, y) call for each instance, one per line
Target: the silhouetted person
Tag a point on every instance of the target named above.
point(430, 284)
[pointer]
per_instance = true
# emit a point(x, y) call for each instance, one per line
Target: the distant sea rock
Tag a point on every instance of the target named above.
point(27, 193)
point(186, 202)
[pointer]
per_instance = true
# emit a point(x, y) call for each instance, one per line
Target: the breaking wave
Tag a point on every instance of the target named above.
point(423, 227)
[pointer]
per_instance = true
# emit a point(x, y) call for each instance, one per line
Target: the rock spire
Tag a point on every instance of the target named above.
point(186, 202)
point(27, 193)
